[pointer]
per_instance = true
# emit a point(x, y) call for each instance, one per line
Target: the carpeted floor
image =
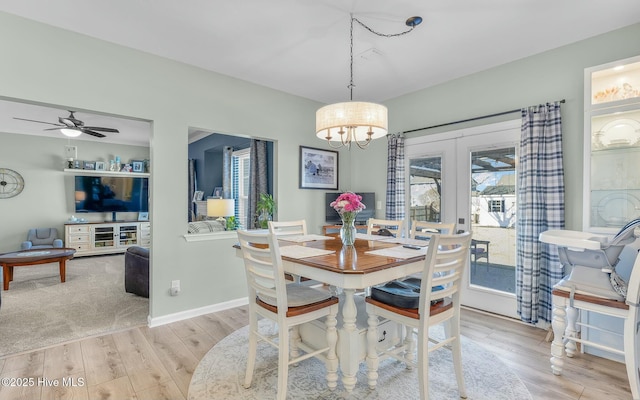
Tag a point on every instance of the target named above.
point(220, 375)
point(38, 310)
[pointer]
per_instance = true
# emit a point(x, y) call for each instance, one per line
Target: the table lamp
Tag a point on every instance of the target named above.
point(221, 208)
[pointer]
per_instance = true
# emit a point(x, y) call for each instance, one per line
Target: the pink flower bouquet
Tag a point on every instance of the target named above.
point(348, 202)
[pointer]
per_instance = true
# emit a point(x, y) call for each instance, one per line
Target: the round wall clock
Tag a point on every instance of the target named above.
point(11, 183)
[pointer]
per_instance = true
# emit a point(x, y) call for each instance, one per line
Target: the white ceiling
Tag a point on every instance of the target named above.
point(302, 46)
point(131, 132)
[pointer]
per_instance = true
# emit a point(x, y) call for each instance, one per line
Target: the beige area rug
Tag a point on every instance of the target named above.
point(220, 375)
point(38, 310)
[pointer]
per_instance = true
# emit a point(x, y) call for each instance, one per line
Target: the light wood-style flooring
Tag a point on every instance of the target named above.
point(157, 363)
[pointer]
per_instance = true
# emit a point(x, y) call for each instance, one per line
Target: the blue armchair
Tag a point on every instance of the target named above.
point(42, 238)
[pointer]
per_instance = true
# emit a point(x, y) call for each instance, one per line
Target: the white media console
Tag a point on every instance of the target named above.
point(106, 238)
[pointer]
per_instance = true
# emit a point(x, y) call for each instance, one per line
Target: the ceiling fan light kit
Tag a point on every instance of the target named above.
point(355, 121)
point(71, 132)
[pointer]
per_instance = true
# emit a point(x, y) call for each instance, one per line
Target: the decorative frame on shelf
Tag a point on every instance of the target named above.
point(318, 168)
point(89, 165)
point(143, 216)
point(198, 195)
point(138, 166)
point(101, 166)
point(217, 192)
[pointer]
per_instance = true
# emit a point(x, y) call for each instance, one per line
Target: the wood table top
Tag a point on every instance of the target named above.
point(36, 254)
point(349, 259)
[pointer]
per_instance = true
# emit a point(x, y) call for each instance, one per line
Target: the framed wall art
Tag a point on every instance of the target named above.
point(318, 168)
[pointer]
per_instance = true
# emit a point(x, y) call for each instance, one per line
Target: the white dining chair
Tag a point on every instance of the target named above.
point(392, 225)
point(288, 228)
point(291, 228)
point(289, 306)
point(444, 264)
point(424, 229)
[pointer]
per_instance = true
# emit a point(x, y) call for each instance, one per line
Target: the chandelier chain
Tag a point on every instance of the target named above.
point(351, 84)
point(379, 33)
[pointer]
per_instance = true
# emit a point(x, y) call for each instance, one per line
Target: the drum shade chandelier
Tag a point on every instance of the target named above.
point(356, 122)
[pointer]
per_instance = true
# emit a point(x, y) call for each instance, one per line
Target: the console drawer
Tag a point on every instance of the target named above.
point(78, 229)
point(80, 247)
point(73, 239)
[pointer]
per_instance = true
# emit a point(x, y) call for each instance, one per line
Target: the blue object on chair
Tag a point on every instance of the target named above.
point(42, 238)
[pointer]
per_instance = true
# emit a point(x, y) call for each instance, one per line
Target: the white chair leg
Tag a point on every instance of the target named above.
point(372, 352)
point(423, 362)
point(283, 364)
point(253, 344)
point(571, 332)
point(410, 346)
point(332, 357)
point(294, 344)
point(456, 349)
point(559, 324)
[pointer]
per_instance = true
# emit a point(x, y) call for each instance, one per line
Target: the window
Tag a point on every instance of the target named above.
point(496, 205)
point(240, 161)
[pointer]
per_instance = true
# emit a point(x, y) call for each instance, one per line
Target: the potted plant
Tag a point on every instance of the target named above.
point(232, 223)
point(265, 207)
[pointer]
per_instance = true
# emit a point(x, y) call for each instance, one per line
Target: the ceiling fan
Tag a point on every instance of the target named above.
point(71, 126)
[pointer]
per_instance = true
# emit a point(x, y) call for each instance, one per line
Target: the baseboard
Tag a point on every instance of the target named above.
point(195, 312)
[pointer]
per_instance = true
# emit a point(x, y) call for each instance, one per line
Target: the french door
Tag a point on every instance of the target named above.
point(468, 177)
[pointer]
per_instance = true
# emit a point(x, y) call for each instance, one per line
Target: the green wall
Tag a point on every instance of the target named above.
point(115, 80)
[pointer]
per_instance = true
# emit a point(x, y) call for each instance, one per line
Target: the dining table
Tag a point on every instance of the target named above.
point(350, 270)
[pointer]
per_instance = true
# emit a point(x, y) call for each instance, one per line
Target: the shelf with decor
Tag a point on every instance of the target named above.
point(105, 173)
point(612, 145)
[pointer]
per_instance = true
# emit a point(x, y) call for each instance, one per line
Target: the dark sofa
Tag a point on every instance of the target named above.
point(136, 271)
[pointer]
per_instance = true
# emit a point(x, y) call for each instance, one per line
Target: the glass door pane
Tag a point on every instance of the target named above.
point(425, 182)
point(467, 178)
point(493, 219)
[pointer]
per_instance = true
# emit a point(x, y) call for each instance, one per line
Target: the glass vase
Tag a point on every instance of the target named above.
point(348, 231)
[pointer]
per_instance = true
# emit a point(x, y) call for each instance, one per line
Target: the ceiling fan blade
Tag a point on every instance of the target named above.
point(97, 128)
point(40, 122)
point(92, 133)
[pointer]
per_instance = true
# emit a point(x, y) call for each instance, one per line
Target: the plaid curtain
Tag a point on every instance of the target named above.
point(395, 177)
point(540, 208)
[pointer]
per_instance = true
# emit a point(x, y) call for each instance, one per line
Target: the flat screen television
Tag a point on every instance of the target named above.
point(111, 194)
point(369, 200)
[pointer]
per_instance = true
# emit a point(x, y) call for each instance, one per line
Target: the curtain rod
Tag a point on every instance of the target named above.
point(470, 119)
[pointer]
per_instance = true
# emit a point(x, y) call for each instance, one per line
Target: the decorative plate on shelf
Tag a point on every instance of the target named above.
point(616, 209)
point(618, 133)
